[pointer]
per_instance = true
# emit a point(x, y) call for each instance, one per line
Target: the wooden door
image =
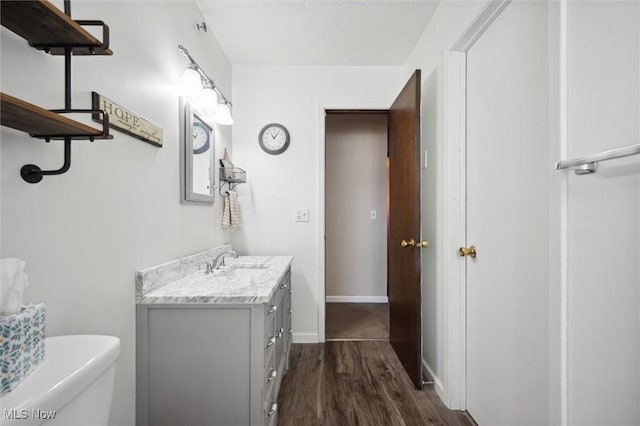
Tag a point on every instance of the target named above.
point(508, 168)
point(404, 225)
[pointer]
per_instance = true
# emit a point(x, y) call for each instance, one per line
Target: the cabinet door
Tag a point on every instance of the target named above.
point(198, 378)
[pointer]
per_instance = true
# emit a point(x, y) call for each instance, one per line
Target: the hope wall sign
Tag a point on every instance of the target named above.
point(125, 121)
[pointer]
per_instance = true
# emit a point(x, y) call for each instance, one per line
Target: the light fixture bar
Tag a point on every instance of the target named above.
point(208, 79)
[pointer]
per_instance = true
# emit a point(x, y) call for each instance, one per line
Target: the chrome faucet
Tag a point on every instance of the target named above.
point(209, 267)
point(219, 260)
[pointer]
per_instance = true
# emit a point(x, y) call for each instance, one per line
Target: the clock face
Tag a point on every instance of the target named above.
point(201, 135)
point(274, 138)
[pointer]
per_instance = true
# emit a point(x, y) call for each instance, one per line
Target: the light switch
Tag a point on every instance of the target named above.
point(302, 215)
point(425, 159)
point(374, 214)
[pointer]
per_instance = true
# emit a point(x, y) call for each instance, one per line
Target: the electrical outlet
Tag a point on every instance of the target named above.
point(374, 214)
point(302, 215)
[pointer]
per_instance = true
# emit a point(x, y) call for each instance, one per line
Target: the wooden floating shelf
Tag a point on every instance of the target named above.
point(21, 115)
point(43, 24)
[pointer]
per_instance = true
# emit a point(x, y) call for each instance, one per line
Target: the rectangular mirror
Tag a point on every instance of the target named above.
point(197, 151)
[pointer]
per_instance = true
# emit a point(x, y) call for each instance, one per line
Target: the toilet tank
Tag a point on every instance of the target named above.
point(73, 386)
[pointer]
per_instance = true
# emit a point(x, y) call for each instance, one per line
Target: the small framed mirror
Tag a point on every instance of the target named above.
point(197, 151)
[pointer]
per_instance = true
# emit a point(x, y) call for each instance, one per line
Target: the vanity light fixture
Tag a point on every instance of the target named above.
point(197, 84)
point(191, 82)
point(223, 114)
point(210, 98)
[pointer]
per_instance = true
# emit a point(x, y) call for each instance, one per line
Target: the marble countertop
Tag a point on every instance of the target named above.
point(245, 280)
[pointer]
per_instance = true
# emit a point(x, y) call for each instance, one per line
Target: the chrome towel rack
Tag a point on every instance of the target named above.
point(589, 164)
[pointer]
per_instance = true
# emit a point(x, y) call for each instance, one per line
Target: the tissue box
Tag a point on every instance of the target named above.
point(21, 344)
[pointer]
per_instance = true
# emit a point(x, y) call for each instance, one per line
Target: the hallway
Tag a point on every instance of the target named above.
point(356, 383)
point(357, 321)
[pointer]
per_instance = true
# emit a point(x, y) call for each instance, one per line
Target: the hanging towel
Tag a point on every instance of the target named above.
point(231, 212)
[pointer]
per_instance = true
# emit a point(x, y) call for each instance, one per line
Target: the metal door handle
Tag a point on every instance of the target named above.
point(414, 243)
point(410, 243)
point(470, 251)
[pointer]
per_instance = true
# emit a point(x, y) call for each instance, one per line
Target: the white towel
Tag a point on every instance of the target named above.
point(231, 212)
point(13, 281)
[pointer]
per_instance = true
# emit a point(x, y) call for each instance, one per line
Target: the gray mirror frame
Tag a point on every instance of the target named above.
point(186, 113)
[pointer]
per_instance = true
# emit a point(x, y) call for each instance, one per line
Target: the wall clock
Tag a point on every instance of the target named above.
point(274, 138)
point(201, 136)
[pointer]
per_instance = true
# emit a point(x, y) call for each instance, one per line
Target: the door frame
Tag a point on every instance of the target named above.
point(321, 230)
point(454, 214)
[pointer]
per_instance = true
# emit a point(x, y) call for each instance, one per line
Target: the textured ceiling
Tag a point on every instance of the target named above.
point(317, 32)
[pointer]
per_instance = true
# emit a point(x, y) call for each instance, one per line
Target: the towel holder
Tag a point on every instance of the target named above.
point(231, 177)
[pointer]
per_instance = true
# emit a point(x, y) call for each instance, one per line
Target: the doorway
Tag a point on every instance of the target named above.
point(403, 231)
point(356, 207)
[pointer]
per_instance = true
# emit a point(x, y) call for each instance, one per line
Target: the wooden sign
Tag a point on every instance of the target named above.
point(125, 121)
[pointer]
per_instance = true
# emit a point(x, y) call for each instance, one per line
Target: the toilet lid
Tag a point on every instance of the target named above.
point(71, 364)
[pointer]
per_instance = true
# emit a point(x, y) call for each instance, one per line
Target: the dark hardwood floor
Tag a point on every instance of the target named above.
point(356, 383)
point(357, 321)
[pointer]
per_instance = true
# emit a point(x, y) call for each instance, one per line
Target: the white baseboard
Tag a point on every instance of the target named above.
point(437, 384)
point(305, 338)
point(357, 299)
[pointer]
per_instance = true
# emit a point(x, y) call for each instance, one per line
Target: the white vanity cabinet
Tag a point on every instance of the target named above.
point(213, 363)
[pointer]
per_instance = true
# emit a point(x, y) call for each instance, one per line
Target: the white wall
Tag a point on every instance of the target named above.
point(447, 24)
point(594, 232)
point(277, 185)
point(85, 233)
point(356, 184)
point(603, 105)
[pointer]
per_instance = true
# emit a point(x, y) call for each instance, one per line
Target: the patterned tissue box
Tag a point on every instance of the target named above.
point(21, 344)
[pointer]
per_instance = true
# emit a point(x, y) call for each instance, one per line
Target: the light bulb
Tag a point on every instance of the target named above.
point(191, 82)
point(223, 115)
point(210, 99)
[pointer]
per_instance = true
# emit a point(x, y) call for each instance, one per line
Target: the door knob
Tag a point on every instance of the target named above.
point(414, 243)
point(470, 251)
point(410, 243)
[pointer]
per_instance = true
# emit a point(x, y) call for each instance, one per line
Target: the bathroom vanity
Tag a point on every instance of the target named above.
point(212, 348)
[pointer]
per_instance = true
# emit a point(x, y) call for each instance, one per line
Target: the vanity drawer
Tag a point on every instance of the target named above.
point(271, 309)
point(270, 376)
point(269, 330)
point(271, 412)
point(285, 282)
point(269, 392)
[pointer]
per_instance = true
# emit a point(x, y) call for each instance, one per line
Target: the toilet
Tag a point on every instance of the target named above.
point(72, 386)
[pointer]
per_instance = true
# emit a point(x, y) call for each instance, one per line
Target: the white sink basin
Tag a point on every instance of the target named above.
point(244, 272)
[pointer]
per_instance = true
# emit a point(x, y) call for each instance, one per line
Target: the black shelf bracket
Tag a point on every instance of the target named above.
point(92, 49)
point(34, 174)
point(80, 136)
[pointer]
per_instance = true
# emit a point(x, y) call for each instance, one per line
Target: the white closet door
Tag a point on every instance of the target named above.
point(507, 219)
